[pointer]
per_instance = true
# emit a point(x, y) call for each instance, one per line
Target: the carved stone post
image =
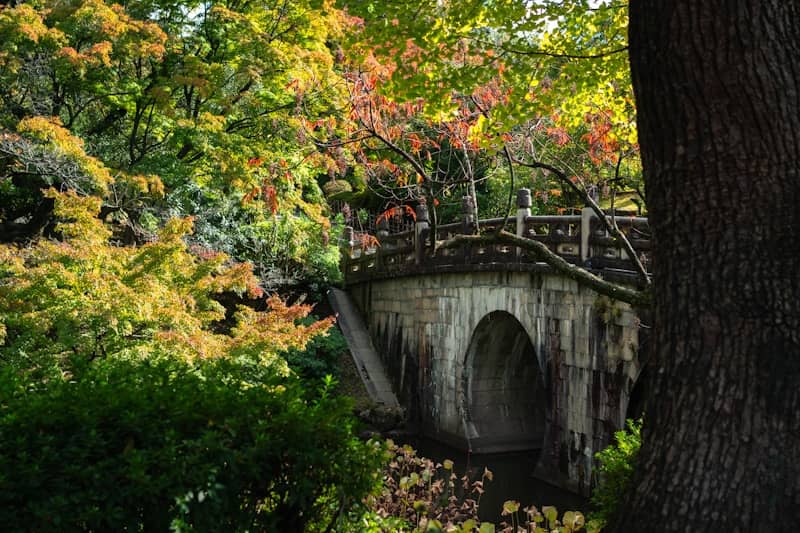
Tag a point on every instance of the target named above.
point(421, 231)
point(523, 212)
point(587, 213)
point(346, 246)
point(348, 243)
point(467, 216)
point(383, 229)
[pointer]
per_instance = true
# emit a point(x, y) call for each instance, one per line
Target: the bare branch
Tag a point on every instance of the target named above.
point(398, 150)
point(511, 187)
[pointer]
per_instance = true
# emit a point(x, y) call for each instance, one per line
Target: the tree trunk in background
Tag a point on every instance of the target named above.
point(717, 86)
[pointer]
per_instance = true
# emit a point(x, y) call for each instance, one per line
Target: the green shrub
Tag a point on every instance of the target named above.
point(162, 444)
point(616, 467)
point(321, 355)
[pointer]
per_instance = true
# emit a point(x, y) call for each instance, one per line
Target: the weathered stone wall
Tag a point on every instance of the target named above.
point(586, 346)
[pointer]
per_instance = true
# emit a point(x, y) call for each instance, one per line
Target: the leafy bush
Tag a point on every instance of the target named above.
point(418, 494)
point(162, 444)
point(63, 304)
point(321, 355)
point(295, 245)
point(543, 521)
point(616, 468)
point(122, 408)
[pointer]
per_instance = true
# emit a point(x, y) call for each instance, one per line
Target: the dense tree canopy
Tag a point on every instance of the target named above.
point(173, 109)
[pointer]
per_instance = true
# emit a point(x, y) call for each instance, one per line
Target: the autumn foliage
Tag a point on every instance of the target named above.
point(66, 302)
point(128, 399)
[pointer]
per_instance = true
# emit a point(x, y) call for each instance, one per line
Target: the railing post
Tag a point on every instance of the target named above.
point(587, 213)
point(467, 216)
point(346, 247)
point(523, 212)
point(348, 243)
point(382, 234)
point(383, 229)
point(421, 231)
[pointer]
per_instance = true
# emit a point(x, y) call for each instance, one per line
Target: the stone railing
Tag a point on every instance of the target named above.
point(580, 239)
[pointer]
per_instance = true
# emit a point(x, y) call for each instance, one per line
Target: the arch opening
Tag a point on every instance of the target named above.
point(504, 402)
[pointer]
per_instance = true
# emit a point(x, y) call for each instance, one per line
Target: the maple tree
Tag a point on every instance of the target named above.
point(182, 93)
point(403, 156)
point(527, 56)
point(449, 79)
point(148, 149)
point(65, 303)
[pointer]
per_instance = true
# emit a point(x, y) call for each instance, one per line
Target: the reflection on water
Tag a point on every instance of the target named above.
point(513, 479)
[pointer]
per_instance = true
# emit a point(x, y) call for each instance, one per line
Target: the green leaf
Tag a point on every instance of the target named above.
point(469, 525)
point(510, 507)
point(486, 527)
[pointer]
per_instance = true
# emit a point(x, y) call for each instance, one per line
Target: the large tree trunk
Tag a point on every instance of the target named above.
point(717, 86)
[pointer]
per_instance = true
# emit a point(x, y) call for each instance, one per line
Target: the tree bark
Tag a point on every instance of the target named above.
point(717, 86)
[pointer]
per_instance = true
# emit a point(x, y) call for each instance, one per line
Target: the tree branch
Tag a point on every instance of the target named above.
point(511, 187)
point(542, 252)
point(545, 53)
point(398, 150)
point(612, 228)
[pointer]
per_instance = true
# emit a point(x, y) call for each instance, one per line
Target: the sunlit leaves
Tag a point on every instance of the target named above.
point(67, 302)
point(169, 101)
point(548, 80)
point(53, 138)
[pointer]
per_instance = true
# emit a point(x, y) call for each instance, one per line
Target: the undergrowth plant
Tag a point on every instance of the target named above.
point(164, 444)
point(321, 355)
point(419, 494)
point(545, 520)
point(616, 468)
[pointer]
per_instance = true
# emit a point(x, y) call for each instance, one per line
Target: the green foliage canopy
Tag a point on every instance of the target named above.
point(66, 303)
point(165, 445)
point(174, 108)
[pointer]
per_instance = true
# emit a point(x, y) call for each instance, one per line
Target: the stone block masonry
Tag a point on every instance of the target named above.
point(493, 361)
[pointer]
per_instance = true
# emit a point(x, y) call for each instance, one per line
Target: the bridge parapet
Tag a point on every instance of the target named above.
point(580, 239)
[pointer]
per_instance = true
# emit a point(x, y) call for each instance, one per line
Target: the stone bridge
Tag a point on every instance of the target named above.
point(491, 350)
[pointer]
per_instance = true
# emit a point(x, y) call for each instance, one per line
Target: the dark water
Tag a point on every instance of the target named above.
point(513, 479)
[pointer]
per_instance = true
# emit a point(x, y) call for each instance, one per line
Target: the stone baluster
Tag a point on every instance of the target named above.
point(587, 213)
point(467, 216)
point(383, 229)
point(347, 246)
point(385, 246)
point(468, 224)
point(523, 212)
point(421, 231)
point(348, 241)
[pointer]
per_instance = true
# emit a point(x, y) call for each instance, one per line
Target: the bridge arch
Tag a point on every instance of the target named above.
point(503, 393)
